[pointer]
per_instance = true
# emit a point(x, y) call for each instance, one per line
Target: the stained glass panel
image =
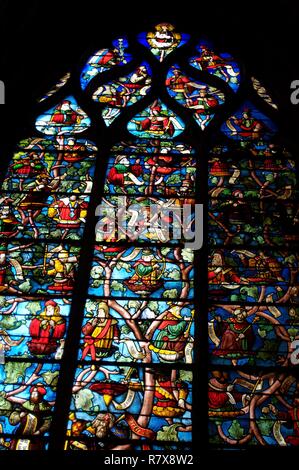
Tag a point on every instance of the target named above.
point(157, 122)
point(105, 59)
point(253, 275)
point(133, 272)
point(194, 95)
point(270, 422)
point(118, 300)
point(220, 65)
point(253, 335)
point(33, 327)
point(140, 173)
point(123, 330)
point(117, 394)
point(28, 393)
point(249, 124)
point(163, 40)
point(125, 91)
point(65, 118)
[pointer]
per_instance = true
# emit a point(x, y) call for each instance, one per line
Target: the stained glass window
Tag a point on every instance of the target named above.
point(117, 331)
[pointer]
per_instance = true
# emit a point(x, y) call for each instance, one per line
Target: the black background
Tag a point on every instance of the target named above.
point(40, 41)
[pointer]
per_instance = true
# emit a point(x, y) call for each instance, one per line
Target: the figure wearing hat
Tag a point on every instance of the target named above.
point(33, 418)
point(118, 94)
point(113, 96)
point(46, 330)
point(140, 80)
point(208, 60)
point(99, 333)
point(72, 151)
point(147, 276)
point(219, 169)
point(160, 166)
point(172, 336)
point(179, 83)
point(106, 58)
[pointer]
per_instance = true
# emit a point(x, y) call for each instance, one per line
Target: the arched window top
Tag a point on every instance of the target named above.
point(205, 90)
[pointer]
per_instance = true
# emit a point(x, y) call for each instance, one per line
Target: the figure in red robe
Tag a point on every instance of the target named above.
point(73, 152)
point(162, 164)
point(178, 82)
point(221, 274)
point(220, 394)
point(99, 334)
point(156, 123)
point(65, 115)
point(123, 172)
point(247, 126)
point(46, 330)
point(108, 58)
point(69, 213)
point(237, 336)
point(208, 60)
